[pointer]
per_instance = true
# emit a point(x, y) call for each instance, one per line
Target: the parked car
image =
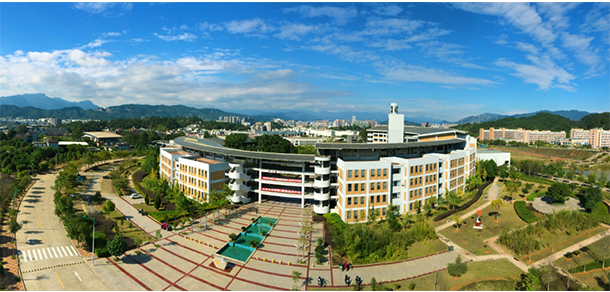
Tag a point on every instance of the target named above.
point(135, 196)
point(106, 177)
point(81, 178)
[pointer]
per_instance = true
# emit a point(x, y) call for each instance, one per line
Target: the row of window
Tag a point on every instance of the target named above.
point(414, 181)
point(362, 173)
point(194, 181)
point(430, 166)
point(363, 186)
point(362, 213)
point(194, 170)
point(418, 168)
point(427, 190)
point(194, 193)
point(380, 199)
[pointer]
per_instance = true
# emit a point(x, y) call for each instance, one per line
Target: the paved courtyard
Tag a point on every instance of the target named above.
point(544, 205)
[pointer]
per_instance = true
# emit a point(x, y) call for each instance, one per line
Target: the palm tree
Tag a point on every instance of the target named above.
point(496, 204)
point(458, 221)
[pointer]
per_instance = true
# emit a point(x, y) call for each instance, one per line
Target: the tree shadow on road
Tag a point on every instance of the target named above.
point(137, 259)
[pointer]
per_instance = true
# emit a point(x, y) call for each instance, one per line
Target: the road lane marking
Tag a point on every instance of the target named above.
point(75, 252)
point(77, 276)
point(69, 251)
point(39, 254)
point(29, 255)
point(41, 239)
point(85, 209)
point(62, 284)
point(64, 251)
point(34, 253)
point(36, 209)
point(25, 258)
point(50, 255)
point(53, 249)
point(45, 254)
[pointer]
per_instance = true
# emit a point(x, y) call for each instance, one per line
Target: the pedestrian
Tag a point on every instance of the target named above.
point(342, 267)
point(319, 281)
point(347, 266)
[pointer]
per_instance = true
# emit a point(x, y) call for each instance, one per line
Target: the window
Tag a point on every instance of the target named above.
point(372, 186)
point(378, 172)
point(426, 167)
point(355, 214)
point(421, 167)
point(426, 178)
point(372, 199)
point(411, 206)
point(363, 173)
point(378, 198)
point(356, 173)
point(385, 171)
point(384, 198)
point(362, 186)
point(385, 185)
point(372, 173)
point(362, 200)
point(378, 186)
point(411, 169)
point(411, 182)
point(349, 187)
point(411, 194)
point(420, 180)
point(420, 192)
point(349, 214)
point(349, 173)
point(383, 211)
point(349, 201)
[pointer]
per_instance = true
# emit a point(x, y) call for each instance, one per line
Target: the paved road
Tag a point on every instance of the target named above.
point(49, 245)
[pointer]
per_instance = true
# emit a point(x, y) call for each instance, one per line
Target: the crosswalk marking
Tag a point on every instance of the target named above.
point(53, 252)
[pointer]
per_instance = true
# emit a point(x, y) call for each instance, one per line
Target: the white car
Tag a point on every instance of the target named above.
point(135, 196)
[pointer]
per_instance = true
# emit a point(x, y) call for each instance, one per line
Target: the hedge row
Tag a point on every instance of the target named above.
point(525, 214)
point(466, 205)
point(534, 195)
point(591, 266)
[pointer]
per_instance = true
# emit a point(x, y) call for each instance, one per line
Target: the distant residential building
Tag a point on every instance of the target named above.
point(520, 135)
point(27, 137)
point(301, 141)
point(103, 138)
point(235, 119)
point(597, 137)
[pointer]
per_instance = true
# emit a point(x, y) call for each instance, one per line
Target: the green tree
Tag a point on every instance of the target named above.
point(157, 202)
point(496, 204)
point(363, 134)
point(453, 198)
point(592, 197)
point(458, 221)
point(559, 192)
point(592, 178)
point(236, 141)
point(14, 226)
point(602, 180)
point(97, 197)
point(108, 208)
point(117, 246)
point(391, 218)
point(530, 281)
point(458, 268)
point(296, 277)
point(146, 200)
point(22, 129)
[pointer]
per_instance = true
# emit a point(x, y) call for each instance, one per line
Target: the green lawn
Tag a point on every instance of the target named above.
point(595, 280)
point(419, 249)
point(476, 270)
point(148, 208)
point(127, 229)
point(596, 250)
point(519, 193)
point(472, 239)
point(474, 206)
point(601, 213)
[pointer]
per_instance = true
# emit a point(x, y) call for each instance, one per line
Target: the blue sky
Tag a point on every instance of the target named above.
point(442, 60)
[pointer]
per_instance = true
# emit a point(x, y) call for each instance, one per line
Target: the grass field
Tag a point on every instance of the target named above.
point(476, 270)
point(126, 229)
point(596, 280)
point(474, 206)
point(519, 193)
point(596, 250)
point(544, 153)
point(472, 239)
point(419, 249)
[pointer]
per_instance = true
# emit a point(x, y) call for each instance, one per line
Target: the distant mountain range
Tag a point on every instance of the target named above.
point(42, 101)
point(573, 115)
point(39, 106)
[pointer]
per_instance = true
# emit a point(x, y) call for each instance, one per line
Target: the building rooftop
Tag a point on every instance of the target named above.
point(489, 151)
point(341, 146)
point(418, 130)
point(208, 161)
point(103, 134)
point(65, 143)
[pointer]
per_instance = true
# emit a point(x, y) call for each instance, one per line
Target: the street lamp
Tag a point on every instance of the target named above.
point(298, 246)
point(93, 244)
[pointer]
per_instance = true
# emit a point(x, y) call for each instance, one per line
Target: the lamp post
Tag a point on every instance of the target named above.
point(298, 246)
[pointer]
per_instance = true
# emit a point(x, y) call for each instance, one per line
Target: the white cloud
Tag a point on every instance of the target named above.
point(581, 46)
point(376, 26)
point(111, 34)
point(101, 7)
point(88, 60)
point(440, 49)
point(344, 52)
point(94, 44)
point(421, 74)
point(340, 15)
point(598, 18)
point(254, 27)
point(294, 31)
point(521, 15)
point(387, 10)
point(391, 44)
point(529, 48)
point(555, 13)
point(186, 36)
point(429, 34)
point(501, 40)
point(542, 72)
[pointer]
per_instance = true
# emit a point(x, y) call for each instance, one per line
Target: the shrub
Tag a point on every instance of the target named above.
point(532, 196)
point(263, 233)
point(568, 255)
point(254, 243)
point(243, 228)
point(101, 252)
point(319, 258)
point(584, 249)
point(232, 236)
point(590, 266)
point(411, 286)
point(525, 214)
point(525, 190)
point(458, 268)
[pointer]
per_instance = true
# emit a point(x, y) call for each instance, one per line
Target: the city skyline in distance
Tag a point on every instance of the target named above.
point(444, 61)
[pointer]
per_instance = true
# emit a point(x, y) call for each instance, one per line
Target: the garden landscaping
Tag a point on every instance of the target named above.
point(473, 239)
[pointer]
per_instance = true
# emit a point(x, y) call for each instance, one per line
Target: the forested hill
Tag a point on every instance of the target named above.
point(541, 121)
point(113, 112)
